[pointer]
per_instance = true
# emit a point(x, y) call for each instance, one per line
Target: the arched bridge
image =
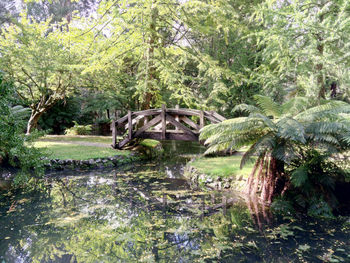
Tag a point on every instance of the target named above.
point(162, 124)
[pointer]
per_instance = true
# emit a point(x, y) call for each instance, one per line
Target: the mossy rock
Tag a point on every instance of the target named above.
point(150, 149)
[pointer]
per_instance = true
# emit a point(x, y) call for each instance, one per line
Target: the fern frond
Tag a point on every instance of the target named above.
point(291, 129)
point(268, 106)
point(261, 147)
point(295, 106)
point(246, 109)
point(299, 176)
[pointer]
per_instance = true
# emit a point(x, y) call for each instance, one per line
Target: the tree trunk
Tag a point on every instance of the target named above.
point(33, 121)
point(150, 67)
point(275, 179)
point(320, 77)
point(319, 66)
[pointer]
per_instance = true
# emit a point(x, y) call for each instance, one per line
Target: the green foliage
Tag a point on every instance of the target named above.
point(303, 47)
point(13, 149)
point(283, 130)
point(313, 179)
point(61, 116)
point(278, 136)
point(42, 62)
point(79, 129)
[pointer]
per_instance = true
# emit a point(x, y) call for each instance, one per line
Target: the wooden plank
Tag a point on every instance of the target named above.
point(218, 116)
point(114, 134)
point(173, 131)
point(148, 125)
point(122, 120)
point(123, 143)
point(212, 119)
point(190, 122)
point(130, 124)
point(213, 116)
point(163, 116)
point(168, 136)
point(183, 112)
point(177, 107)
point(201, 119)
point(147, 112)
point(178, 124)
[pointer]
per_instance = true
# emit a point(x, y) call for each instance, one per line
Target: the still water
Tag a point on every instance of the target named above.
point(147, 212)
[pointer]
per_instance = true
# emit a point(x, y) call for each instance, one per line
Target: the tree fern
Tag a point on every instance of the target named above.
point(276, 138)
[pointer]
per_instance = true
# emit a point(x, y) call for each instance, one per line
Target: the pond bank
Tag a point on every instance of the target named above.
point(217, 173)
point(91, 152)
point(93, 163)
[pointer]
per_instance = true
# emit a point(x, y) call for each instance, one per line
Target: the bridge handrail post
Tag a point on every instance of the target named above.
point(130, 124)
point(163, 114)
point(114, 134)
point(201, 119)
point(177, 107)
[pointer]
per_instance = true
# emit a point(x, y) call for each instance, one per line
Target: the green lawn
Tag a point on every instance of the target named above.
point(64, 150)
point(77, 138)
point(222, 166)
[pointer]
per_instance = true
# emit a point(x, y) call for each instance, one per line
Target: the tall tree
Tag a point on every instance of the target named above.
point(189, 53)
point(304, 46)
point(43, 64)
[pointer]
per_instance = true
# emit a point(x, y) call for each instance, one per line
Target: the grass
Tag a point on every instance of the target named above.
point(222, 166)
point(64, 150)
point(77, 138)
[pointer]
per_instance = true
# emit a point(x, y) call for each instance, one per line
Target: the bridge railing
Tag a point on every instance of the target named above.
point(153, 124)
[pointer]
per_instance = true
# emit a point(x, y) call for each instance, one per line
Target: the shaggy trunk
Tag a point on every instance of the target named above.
point(33, 121)
point(268, 175)
point(274, 181)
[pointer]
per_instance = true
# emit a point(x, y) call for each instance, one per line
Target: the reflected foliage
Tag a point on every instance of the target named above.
point(141, 215)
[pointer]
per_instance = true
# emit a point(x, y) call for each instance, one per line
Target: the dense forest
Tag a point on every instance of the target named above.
point(96, 57)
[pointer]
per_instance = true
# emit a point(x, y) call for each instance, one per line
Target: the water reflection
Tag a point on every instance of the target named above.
point(143, 215)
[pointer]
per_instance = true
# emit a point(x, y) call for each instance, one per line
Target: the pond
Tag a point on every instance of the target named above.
point(148, 213)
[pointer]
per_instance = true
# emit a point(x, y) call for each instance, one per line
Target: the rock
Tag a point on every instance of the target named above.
point(209, 180)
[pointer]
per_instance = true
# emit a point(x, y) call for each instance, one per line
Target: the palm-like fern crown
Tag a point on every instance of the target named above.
point(278, 130)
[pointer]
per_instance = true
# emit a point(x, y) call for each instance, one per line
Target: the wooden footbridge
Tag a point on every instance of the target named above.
point(162, 124)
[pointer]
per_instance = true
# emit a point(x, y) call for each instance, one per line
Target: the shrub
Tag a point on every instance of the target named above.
point(61, 116)
point(14, 150)
point(79, 129)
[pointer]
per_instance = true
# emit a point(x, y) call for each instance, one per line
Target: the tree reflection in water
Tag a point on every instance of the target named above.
point(143, 216)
